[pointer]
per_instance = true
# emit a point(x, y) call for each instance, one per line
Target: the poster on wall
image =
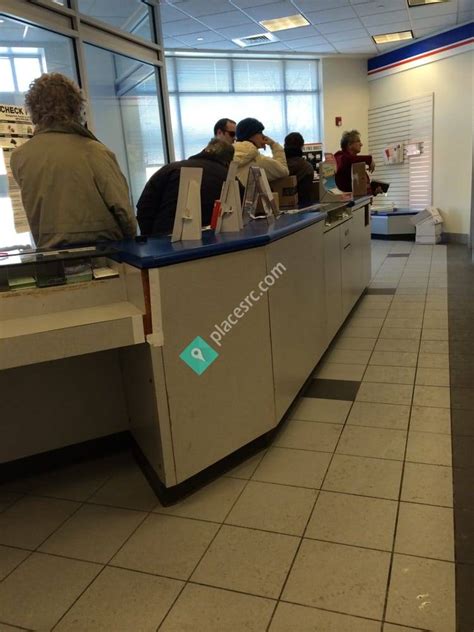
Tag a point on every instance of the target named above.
point(16, 128)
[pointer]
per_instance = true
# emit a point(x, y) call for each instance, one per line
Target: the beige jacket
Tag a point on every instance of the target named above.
point(247, 155)
point(72, 188)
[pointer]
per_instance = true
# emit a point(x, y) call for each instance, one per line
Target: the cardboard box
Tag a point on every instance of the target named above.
point(287, 190)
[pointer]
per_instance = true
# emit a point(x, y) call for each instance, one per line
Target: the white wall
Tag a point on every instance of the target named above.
point(451, 82)
point(346, 94)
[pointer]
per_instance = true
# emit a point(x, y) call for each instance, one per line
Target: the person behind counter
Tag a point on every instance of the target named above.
point(71, 185)
point(349, 153)
point(299, 167)
point(157, 204)
point(249, 140)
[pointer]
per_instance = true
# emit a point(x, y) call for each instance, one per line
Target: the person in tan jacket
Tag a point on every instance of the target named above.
point(249, 140)
point(71, 185)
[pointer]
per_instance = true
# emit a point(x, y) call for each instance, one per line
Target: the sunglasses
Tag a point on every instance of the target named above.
point(231, 134)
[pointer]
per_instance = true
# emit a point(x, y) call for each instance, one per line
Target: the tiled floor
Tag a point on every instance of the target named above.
point(345, 524)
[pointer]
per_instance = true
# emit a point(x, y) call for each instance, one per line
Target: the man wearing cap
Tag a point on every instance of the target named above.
point(249, 140)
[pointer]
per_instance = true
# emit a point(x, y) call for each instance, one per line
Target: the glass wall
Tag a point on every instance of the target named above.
point(124, 101)
point(283, 94)
point(25, 53)
point(133, 16)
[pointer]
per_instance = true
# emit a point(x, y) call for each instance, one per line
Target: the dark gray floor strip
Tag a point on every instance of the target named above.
point(399, 254)
point(461, 358)
point(381, 290)
point(332, 389)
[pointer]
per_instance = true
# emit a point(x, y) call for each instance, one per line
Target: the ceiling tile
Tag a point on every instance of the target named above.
point(272, 46)
point(169, 14)
point(270, 11)
point(432, 10)
point(221, 20)
point(436, 22)
point(208, 37)
point(340, 25)
point(296, 34)
point(196, 8)
point(307, 41)
point(344, 35)
point(241, 30)
point(319, 5)
point(394, 27)
point(381, 6)
point(320, 48)
point(245, 4)
point(384, 18)
point(181, 27)
point(171, 43)
point(331, 15)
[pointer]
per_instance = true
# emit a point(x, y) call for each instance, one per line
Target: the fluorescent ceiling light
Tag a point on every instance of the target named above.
point(388, 38)
point(418, 3)
point(281, 24)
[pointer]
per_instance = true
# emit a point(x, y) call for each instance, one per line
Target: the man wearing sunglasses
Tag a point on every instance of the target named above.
point(224, 130)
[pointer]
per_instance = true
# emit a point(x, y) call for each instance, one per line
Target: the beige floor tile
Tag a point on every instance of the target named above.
point(308, 435)
point(390, 627)
point(166, 545)
point(122, 600)
point(273, 508)
point(429, 447)
point(429, 484)
point(293, 467)
point(395, 333)
point(7, 499)
point(382, 443)
point(31, 520)
point(344, 343)
point(128, 489)
point(425, 531)
point(347, 357)
point(354, 331)
point(421, 594)
point(365, 476)
point(315, 409)
point(339, 577)
point(379, 415)
point(371, 312)
point(432, 377)
point(8, 628)
point(435, 396)
point(249, 561)
point(354, 520)
point(390, 374)
point(358, 320)
point(425, 419)
point(385, 393)
point(41, 589)
point(94, 533)
point(394, 358)
point(10, 559)
point(212, 502)
point(435, 325)
point(407, 311)
point(334, 371)
point(433, 360)
point(434, 346)
point(291, 618)
point(205, 609)
point(247, 467)
point(403, 346)
point(413, 322)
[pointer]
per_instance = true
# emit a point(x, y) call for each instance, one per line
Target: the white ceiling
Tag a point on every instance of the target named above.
point(336, 26)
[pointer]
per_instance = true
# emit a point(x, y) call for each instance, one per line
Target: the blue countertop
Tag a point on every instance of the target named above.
point(157, 252)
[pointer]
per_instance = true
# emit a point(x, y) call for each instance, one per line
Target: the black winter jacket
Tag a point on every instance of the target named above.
point(157, 204)
point(304, 172)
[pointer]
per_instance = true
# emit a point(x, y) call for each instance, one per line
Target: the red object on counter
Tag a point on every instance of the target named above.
point(216, 211)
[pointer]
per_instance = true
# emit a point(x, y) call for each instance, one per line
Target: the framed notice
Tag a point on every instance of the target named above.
point(16, 128)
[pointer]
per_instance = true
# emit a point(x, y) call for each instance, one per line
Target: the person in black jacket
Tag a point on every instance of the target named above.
point(157, 204)
point(299, 167)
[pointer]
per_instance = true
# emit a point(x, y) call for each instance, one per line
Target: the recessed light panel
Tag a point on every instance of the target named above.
point(281, 24)
point(419, 3)
point(388, 38)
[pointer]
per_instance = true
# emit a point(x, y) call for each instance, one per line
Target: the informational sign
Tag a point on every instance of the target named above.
point(313, 153)
point(16, 128)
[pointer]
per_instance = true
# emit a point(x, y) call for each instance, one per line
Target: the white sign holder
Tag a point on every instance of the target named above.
point(188, 217)
point(230, 218)
point(257, 189)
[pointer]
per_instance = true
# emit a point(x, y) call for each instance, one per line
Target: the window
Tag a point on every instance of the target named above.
point(27, 51)
point(283, 94)
point(126, 115)
point(133, 16)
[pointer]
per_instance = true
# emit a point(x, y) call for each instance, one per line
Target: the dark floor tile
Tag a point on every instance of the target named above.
point(462, 422)
point(463, 454)
point(464, 600)
point(461, 347)
point(332, 389)
point(399, 254)
point(462, 377)
point(464, 535)
point(462, 398)
point(381, 290)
